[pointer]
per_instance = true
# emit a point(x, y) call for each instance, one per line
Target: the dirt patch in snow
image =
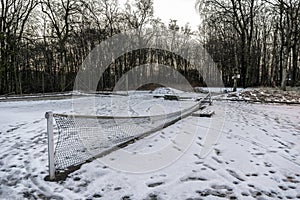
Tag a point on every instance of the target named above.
point(265, 95)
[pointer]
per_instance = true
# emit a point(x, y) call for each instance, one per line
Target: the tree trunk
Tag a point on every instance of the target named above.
point(294, 65)
point(284, 69)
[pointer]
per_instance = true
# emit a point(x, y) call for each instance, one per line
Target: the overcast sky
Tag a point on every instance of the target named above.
point(181, 10)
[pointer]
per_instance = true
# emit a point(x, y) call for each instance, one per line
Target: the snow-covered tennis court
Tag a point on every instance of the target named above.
point(256, 156)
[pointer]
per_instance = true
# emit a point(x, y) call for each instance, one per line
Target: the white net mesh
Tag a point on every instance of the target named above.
point(81, 138)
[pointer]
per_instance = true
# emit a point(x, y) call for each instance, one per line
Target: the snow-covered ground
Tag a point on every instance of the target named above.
point(256, 156)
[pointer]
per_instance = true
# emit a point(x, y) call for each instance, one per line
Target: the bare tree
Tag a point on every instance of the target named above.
point(14, 16)
point(288, 15)
point(59, 14)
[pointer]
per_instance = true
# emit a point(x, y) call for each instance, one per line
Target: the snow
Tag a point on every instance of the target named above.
point(166, 90)
point(265, 95)
point(218, 89)
point(256, 155)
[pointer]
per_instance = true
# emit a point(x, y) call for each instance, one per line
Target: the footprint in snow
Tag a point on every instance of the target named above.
point(235, 175)
point(14, 128)
point(192, 178)
point(152, 185)
point(216, 193)
point(221, 187)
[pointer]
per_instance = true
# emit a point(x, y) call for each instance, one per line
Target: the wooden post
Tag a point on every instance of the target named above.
point(235, 78)
point(49, 117)
point(127, 84)
point(234, 83)
point(210, 100)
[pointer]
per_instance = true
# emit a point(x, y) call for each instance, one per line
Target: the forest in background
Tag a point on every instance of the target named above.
point(44, 42)
point(259, 39)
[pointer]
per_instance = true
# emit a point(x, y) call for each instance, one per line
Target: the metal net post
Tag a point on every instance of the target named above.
point(49, 117)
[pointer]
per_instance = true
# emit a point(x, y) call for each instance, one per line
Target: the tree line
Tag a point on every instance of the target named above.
point(44, 42)
point(259, 39)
